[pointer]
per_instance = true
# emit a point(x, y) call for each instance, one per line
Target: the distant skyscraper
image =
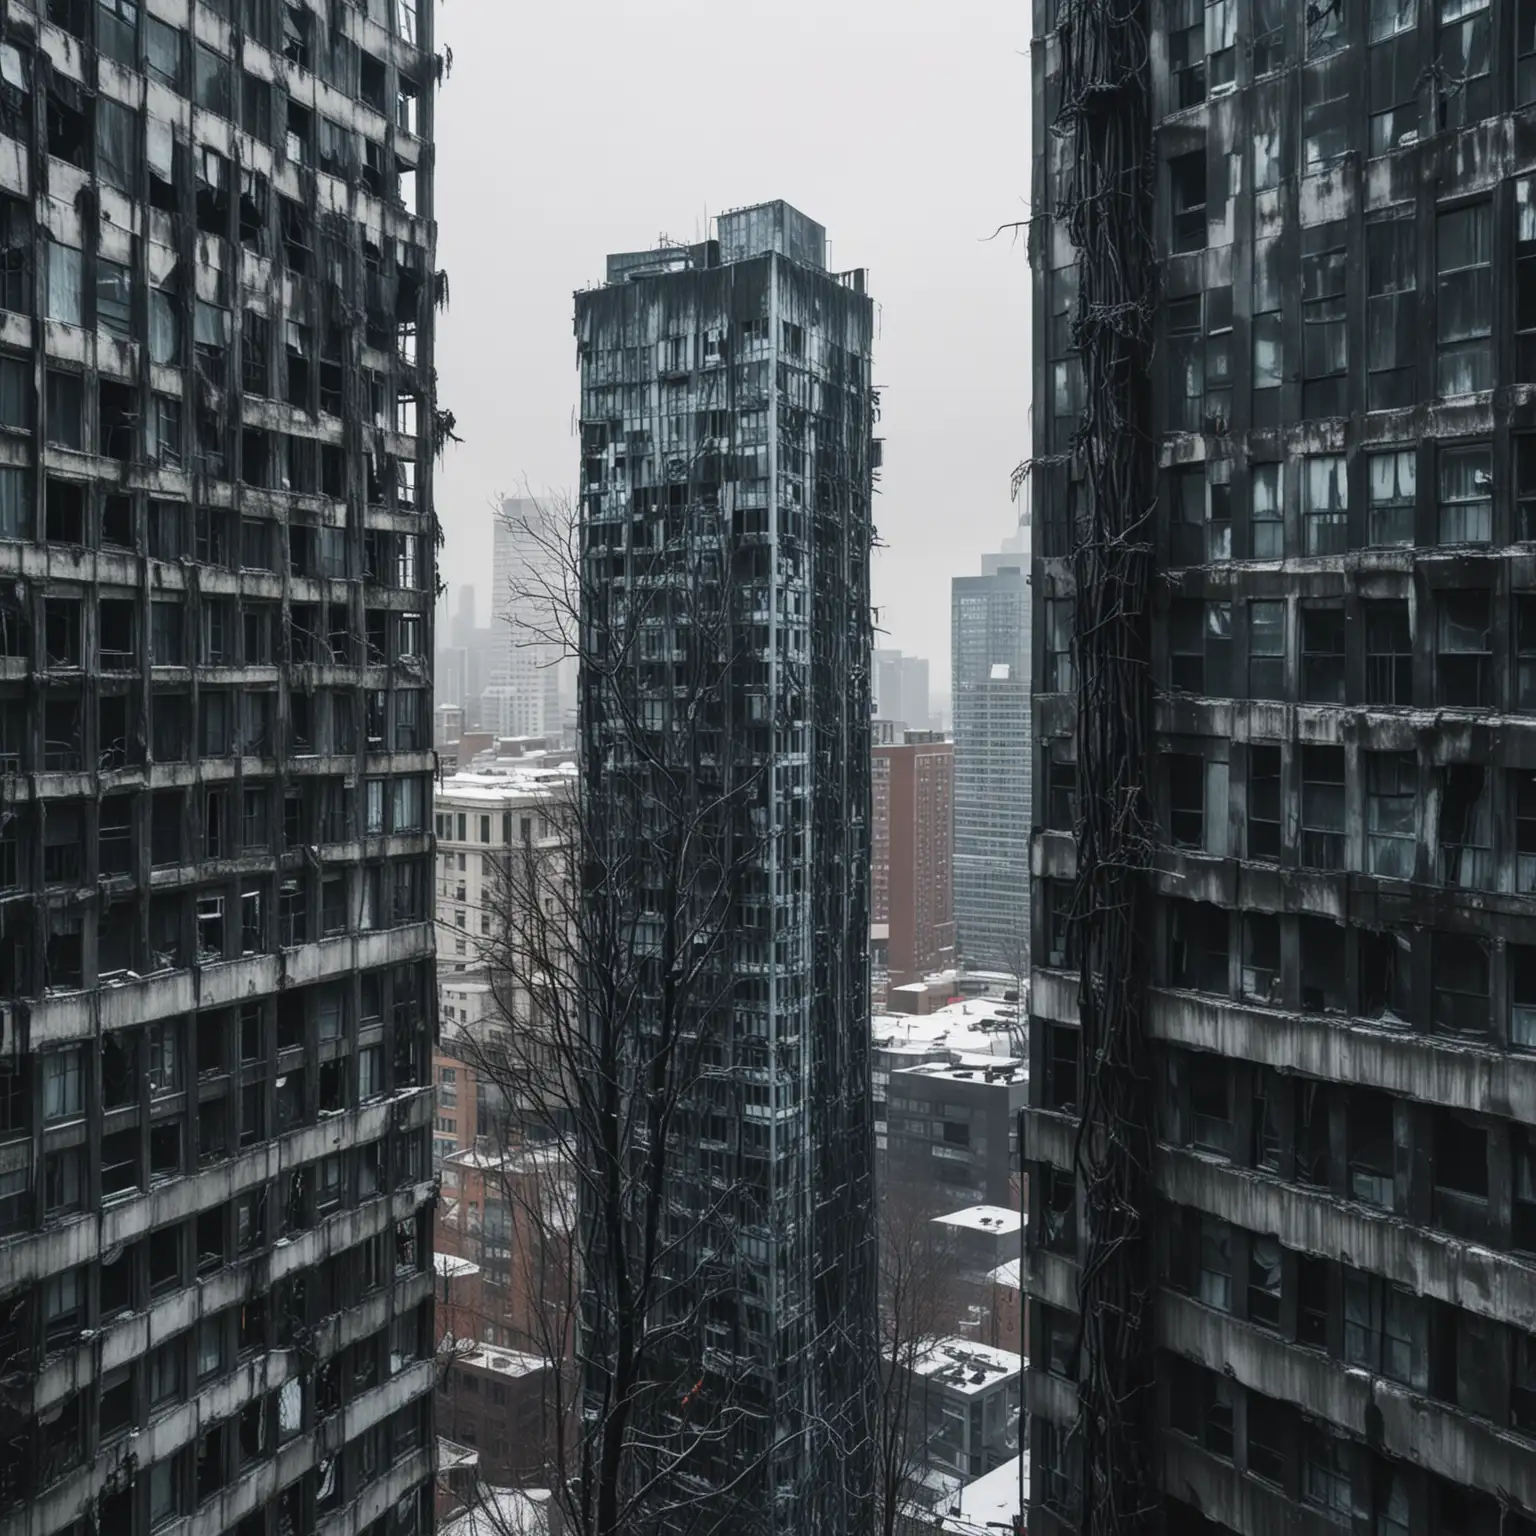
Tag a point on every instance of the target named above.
point(901, 689)
point(523, 697)
point(727, 410)
point(912, 896)
point(990, 658)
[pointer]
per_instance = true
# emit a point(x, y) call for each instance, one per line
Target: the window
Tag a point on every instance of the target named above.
point(1525, 485)
point(1464, 88)
point(1392, 79)
point(1525, 53)
point(1186, 179)
point(1210, 1103)
point(1391, 796)
point(1186, 51)
point(62, 1084)
point(1186, 384)
point(1466, 495)
point(1525, 265)
point(1264, 1281)
point(1061, 1068)
point(1264, 803)
point(1371, 1142)
point(1214, 1276)
point(1460, 1154)
point(1464, 299)
point(1391, 323)
point(1464, 664)
point(1322, 807)
point(1269, 1437)
point(1389, 654)
point(1525, 831)
point(1324, 974)
point(1197, 949)
point(1200, 647)
point(210, 1346)
point(1380, 1331)
point(64, 284)
point(1328, 92)
point(1060, 672)
point(65, 396)
point(1322, 654)
point(1268, 351)
point(1186, 800)
point(1324, 321)
point(1460, 984)
point(370, 1073)
point(1061, 786)
point(1466, 828)
point(1327, 1470)
point(114, 297)
point(1266, 649)
point(1259, 978)
point(1268, 36)
point(162, 48)
point(1267, 486)
point(1187, 532)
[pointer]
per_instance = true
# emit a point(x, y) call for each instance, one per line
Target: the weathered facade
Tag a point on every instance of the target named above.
point(727, 419)
point(217, 555)
point(1282, 1237)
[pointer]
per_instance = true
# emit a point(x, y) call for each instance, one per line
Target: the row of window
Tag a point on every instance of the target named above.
point(1455, 984)
point(1481, 654)
point(218, 632)
point(61, 948)
point(1469, 506)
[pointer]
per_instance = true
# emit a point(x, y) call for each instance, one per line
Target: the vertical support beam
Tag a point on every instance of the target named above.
point(1107, 208)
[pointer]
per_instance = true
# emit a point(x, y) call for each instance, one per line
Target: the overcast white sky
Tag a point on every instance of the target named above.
point(572, 129)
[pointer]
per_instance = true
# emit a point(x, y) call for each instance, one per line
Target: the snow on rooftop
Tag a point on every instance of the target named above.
point(984, 1218)
point(990, 1501)
point(450, 1267)
point(491, 1357)
point(968, 1368)
point(504, 1512)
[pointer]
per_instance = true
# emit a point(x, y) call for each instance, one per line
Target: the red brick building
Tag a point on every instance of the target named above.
point(912, 852)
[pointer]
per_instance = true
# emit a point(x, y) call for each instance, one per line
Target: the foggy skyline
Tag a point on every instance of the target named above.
point(567, 133)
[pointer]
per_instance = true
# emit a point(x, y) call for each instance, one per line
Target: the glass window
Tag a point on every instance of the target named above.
point(65, 300)
point(1266, 649)
point(1391, 800)
point(1391, 323)
point(63, 1084)
point(1325, 506)
point(1388, 653)
point(1465, 661)
point(1267, 486)
point(1466, 495)
point(1322, 653)
point(1322, 807)
point(1464, 299)
point(1393, 486)
point(162, 53)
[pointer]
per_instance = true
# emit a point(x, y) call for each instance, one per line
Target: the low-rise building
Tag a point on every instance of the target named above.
point(955, 1127)
point(966, 1406)
point(493, 1401)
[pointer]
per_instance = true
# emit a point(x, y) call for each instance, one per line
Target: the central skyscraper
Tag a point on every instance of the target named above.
point(727, 416)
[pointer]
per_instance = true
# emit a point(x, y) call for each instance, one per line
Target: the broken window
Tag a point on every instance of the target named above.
point(212, 192)
point(1466, 828)
point(1464, 299)
point(1264, 1281)
point(295, 234)
point(1323, 973)
point(1322, 653)
point(64, 396)
point(1464, 664)
point(1460, 1158)
point(1200, 646)
point(162, 53)
point(1186, 401)
point(164, 326)
point(1389, 654)
point(1466, 495)
point(1186, 181)
point(1369, 1125)
point(64, 512)
point(1186, 52)
point(1522, 995)
point(1525, 830)
point(1322, 807)
point(1525, 263)
point(1460, 984)
point(1186, 799)
point(15, 393)
point(210, 928)
point(1463, 45)
point(1325, 506)
point(1259, 977)
point(1210, 1103)
point(1197, 947)
point(163, 1057)
point(1391, 798)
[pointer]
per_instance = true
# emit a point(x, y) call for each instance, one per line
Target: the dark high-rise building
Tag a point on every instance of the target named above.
point(216, 565)
point(726, 424)
point(989, 641)
point(1286, 469)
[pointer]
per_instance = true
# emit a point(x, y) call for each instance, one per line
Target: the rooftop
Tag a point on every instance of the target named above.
point(1009, 1274)
point(450, 1267)
point(968, 1368)
point(503, 1512)
point(999, 1071)
point(504, 1362)
point(984, 1218)
point(990, 1502)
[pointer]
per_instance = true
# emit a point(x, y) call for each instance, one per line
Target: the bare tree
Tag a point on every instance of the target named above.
point(610, 965)
point(920, 1301)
